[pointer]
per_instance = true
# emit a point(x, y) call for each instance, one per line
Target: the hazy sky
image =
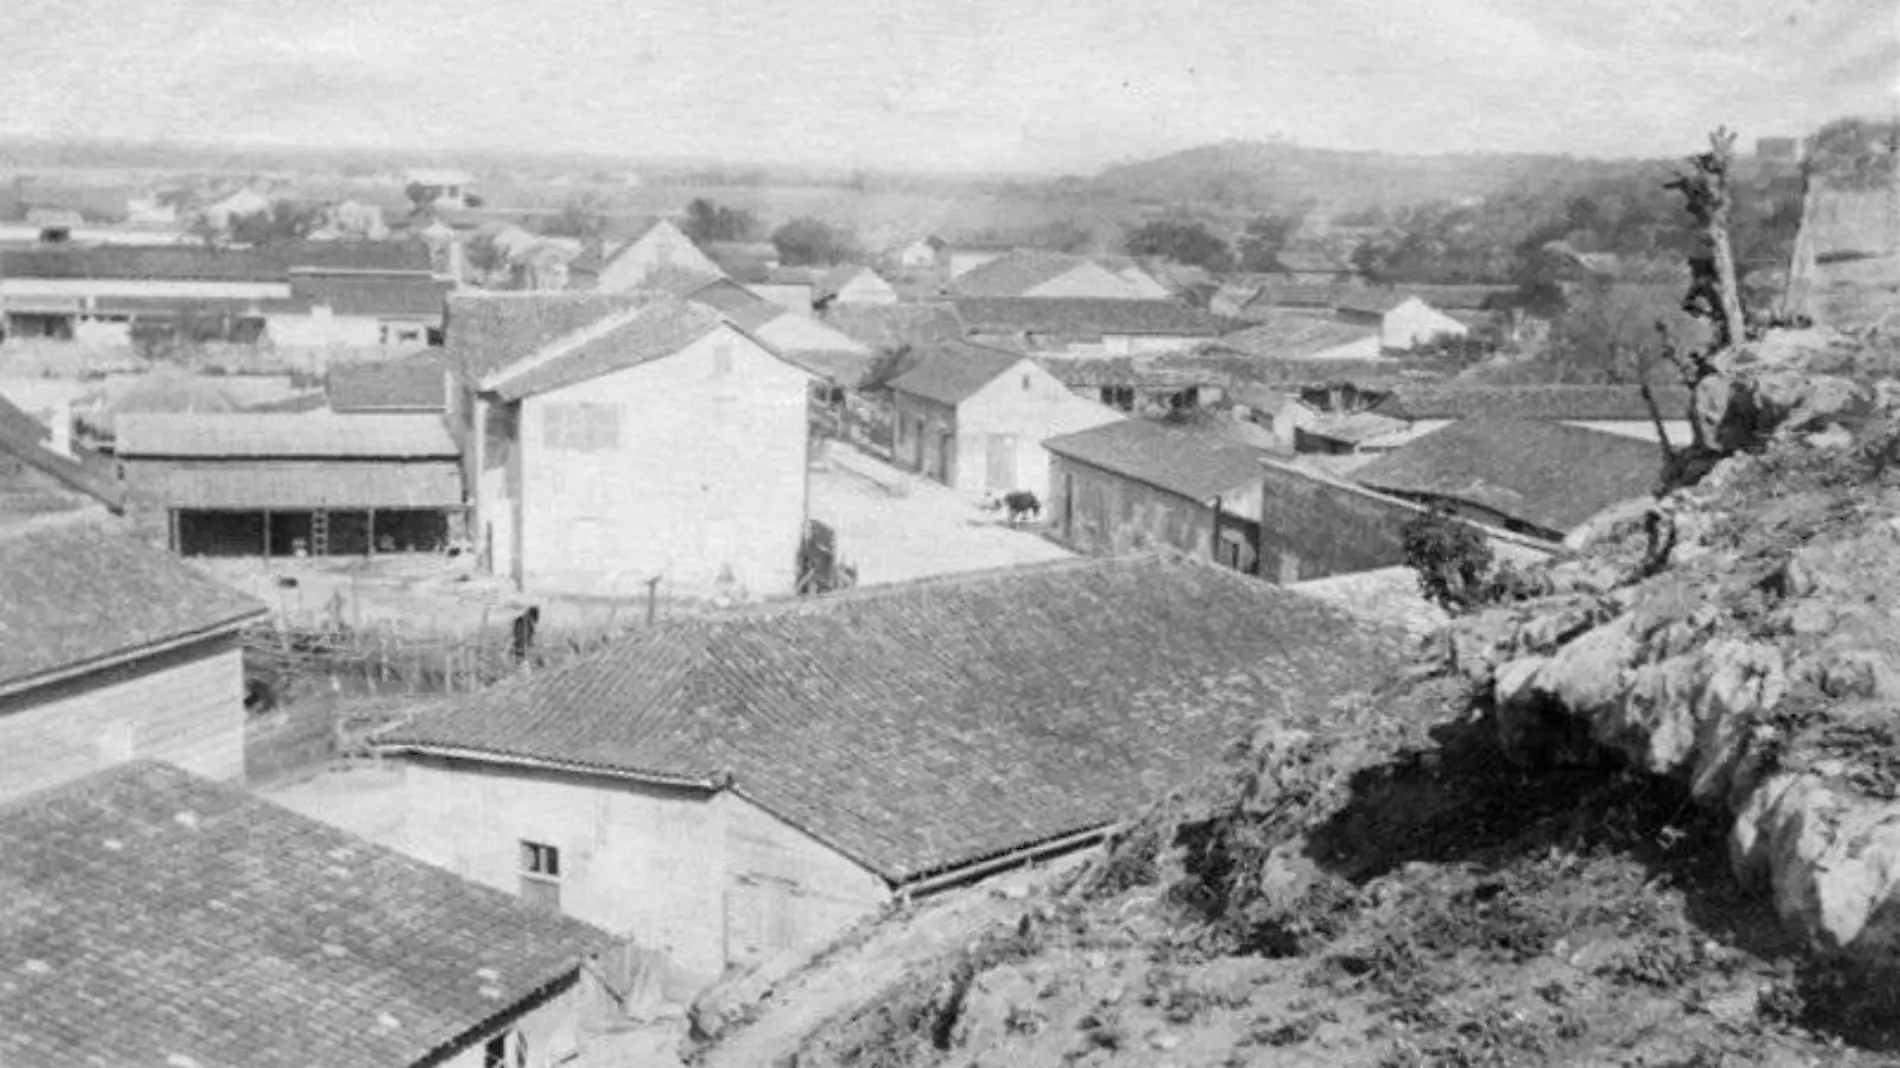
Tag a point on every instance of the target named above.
point(963, 84)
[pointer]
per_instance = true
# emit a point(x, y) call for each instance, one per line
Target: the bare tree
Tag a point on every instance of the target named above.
point(1715, 293)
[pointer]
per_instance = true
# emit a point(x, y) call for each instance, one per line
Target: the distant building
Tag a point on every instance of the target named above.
point(441, 183)
point(115, 651)
point(852, 285)
point(267, 938)
point(358, 310)
point(731, 789)
point(1311, 266)
point(1029, 273)
point(316, 484)
point(612, 439)
point(661, 246)
point(975, 419)
point(1403, 320)
point(919, 255)
point(1088, 326)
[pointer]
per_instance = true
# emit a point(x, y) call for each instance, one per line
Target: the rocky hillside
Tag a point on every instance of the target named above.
point(1645, 813)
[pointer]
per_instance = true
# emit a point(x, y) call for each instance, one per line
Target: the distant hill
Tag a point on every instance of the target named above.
point(1261, 175)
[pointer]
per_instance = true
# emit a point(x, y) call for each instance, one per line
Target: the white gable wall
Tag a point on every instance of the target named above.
point(662, 246)
point(1415, 322)
point(184, 707)
point(1016, 413)
point(1142, 284)
point(866, 287)
point(1086, 280)
point(706, 878)
point(707, 478)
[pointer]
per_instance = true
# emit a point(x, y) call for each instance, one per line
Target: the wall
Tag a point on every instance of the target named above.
point(708, 479)
point(662, 246)
point(1030, 416)
point(185, 707)
point(939, 420)
point(1312, 527)
point(1415, 322)
point(1114, 514)
point(321, 329)
point(1085, 280)
point(661, 866)
point(866, 287)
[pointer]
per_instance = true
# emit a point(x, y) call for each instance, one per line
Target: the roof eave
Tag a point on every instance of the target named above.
point(490, 756)
point(28, 683)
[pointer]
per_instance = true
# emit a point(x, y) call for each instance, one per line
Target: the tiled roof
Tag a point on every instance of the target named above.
point(1088, 317)
point(1015, 273)
point(1550, 475)
point(1443, 297)
point(1292, 337)
point(1452, 400)
point(1299, 294)
point(1311, 261)
point(1188, 461)
point(418, 382)
point(812, 345)
point(271, 263)
point(316, 434)
point(248, 485)
point(488, 331)
point(892, 326)
point(728, 296)
point(682, 282)
point(372, 294)
point(1353, 428)
point(652, 331)
point(157, 918)
point(80, 591)
point(926, 726)
point(17, 425)
point(953, 373)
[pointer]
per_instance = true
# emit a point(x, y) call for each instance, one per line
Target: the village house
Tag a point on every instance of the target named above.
point(315, 484)
point(659, 247)
point(115, 650)
point(851, 284)
point(1141, 483)
point(1137, 277)
point(792, 288)
point(1311, 266)
point(1403, 321)
point(1317, 524)
point(263, 937)
point(360, 309)
point(1087, 326)
point(744, 261)
point(1291, 337)
point(733, 788)
point(441, 184)
point(919, 255)
point(889, 328)
point(62, 292)
point(975, 419)
point(616, 440)
point(1031, 273)
point(955, 261)
point(1534, 478)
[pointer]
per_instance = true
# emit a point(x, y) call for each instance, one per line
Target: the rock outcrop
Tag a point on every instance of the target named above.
point(1742, 635)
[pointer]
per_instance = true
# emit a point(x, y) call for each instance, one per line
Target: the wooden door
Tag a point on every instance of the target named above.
point(999, 455)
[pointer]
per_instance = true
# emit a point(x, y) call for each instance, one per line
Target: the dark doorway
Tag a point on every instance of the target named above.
point(220, 533)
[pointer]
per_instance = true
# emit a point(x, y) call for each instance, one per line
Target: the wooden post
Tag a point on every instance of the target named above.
point(653, 588)
point(267, 536)
point(370, 533)
point(171, 518)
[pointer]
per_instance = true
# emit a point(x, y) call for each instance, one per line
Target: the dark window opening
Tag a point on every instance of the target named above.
point(541, 875)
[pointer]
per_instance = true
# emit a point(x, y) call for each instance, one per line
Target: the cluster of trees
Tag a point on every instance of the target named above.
point(583, 218)
point(707, 221)
point(809, 242)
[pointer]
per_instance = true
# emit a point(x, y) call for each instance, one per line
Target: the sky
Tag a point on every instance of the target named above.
point(1034, 86)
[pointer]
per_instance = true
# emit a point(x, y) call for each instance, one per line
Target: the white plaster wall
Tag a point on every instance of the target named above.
point(866, 287)
point(709, 478)
point(323, 330)
point(1032, 414)
point(650, 863)
point(1086, 280)
point(185, 708)
point(662, 246)
point(1414, 322)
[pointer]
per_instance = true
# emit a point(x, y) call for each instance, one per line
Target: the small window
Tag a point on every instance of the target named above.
point(541, 876)
point(1025, 383)
point(506, 1050)
point(539, 858)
